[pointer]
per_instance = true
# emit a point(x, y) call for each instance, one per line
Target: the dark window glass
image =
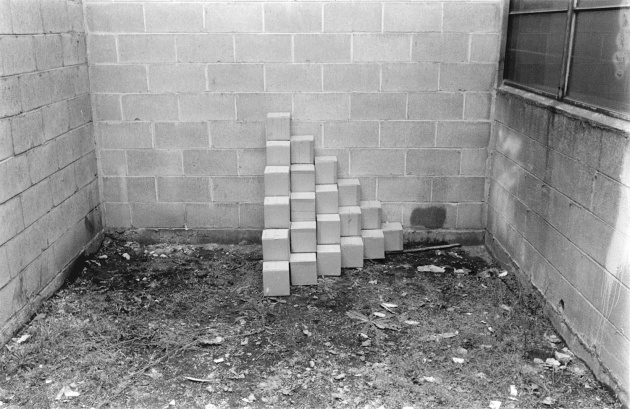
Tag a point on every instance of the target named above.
point(600, 63)
point(534, 50)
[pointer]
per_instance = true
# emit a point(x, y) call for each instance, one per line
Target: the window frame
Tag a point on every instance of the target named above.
point(573, 7)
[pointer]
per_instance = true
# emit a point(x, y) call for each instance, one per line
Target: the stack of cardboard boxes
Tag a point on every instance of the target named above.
point(314, 223)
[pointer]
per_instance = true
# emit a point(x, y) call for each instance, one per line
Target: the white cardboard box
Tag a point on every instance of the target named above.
point(275, 245)
point(329, 260)
point(278, 126)
point(278, 153)
point(328, 229)
point(325, 170)
point(370, 215)
point(302, 178)
point(276, 212)
point(349, 192)
point(303, 237)
point(393, 233)
point(373, 244)
point(277, 181)
point(350, 219)
point(326, 199)
point(303, 268)
point(302, 149)
point(352, 252)
point(276, 280)
point(303, 206)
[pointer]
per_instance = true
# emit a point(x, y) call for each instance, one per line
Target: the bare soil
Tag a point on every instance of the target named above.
point(181, 326)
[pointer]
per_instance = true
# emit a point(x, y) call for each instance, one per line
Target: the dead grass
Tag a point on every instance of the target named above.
point(131, 333)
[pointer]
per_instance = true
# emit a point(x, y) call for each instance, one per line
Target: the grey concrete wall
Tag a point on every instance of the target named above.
point(399, 92)
point(48, 186)
point(559, 210)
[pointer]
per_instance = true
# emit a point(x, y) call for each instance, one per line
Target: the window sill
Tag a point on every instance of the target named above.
point(595, 118)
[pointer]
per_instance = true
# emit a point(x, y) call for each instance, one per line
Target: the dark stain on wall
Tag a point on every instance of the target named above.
point(430, 217)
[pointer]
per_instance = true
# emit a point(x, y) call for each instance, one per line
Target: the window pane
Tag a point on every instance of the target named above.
point(534, 50)
point(600, 64)
point(538, 5)
point(602, 3)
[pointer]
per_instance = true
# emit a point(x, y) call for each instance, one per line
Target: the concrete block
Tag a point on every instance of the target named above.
point(26, 17)
point(48, 51)
point(425, 162)
point(381, 47)
point(322, 48)
point(64, 83)
point(275, 245)
point(377, 162)
point(259, 48)
point(293, 77)
point(115, 18)
point(321, 107)
point(352, 252)
point(11, 219)
point(173, 18)
point(329, 260)
point(440, 47)
point(303, 237)
point(118, 78)
point(54, 16)
point(349, 192)
point(276, 279)
point(6, 26)
point(352, 17)
point(17, 55)
point(74, 49)
point(251, 161)
point(243, 135)
point(325, 170)
point(467, 77)
point(10, 99)
point(254, 107)
point(206, 106)
point(373, 244)
point(276, 212)
point(238, 189)
point(277, 181)
point(181, 135)
point(407, 134)
point(278, 153)
point(463, 134)
point(36, 90)
point(370, 214)
point(216, 215)
point(412, 17)
point(42, 161)
point(102, 48)
point(352, 77)
point(177, 78)
point(6, 140)
point(234, 18)
point(326, 199)
point(302, 206)
point(436, 105)
point(472, 17)
point(410, 77)
point(183, 189)
point(293, 17)
point(458, 189)
point(150, 107)
point(303, 268)
point(328, 229)
point(378, 106)
point(205, 162)
point(303, 150)
point(235, 77)
point(350, 217)
point(122, 135)
point(56, 119)
point(209, 48)
point(351, 134)
point(154, 162)
point(393, 233)
point(278, 126)
point(153, 48)
point(302, 178)
point(79, 111)
point(36, 201)
point(251, 216)
point(27, 131)
point(405, 189)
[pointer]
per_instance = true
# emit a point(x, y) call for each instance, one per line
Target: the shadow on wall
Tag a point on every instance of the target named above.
point(559, 207)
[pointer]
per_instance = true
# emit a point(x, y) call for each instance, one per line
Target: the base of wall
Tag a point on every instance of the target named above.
point(573, 341)
point(17, 321)
point(234, 236)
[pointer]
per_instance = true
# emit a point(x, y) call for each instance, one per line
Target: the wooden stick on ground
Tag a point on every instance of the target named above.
point(422, 249)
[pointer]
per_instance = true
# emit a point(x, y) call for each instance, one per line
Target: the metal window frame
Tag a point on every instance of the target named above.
point(572, 9)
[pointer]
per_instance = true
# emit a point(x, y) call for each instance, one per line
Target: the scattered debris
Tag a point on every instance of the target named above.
point(22, 339)
point(458, 360)
point(494, 404)
point(126, 256)
point(431, 269)
point(210, 342)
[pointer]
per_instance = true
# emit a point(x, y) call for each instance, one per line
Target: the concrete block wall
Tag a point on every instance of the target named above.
point(49, 198)
point(399, 92)
point(559, 209)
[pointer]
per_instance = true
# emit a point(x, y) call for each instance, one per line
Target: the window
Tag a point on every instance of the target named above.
point(577, 51)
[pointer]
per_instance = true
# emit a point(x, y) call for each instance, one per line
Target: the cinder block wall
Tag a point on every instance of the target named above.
point(559, 208)
point(399, 92)
point(48, 186)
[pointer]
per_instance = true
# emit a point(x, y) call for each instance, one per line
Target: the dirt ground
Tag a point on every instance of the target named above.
point(181, 326)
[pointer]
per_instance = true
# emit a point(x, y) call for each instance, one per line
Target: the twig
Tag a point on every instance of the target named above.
point(422, 249)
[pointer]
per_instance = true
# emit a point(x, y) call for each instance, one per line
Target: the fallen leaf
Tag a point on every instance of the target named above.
point(373, 282)
point(198, 379)
point(380, 314)
point(562, 358)
point(154, 374)
point(505, 307)
point(67, 392)
point(126, 256)
point(461, 351)
point(22, 339)
point(494, 404)
point(458, 360)
point(548, 401)
point(102, 256)
point(366, 343)
point(553, 338)
point(552, 363)
point(431, 269)
point(219, 360)
point(340, 376)
point(411, 322)
point(213, 341)
point(503, 273)
point(513, 391)
point(432, 379)
point(388, 305)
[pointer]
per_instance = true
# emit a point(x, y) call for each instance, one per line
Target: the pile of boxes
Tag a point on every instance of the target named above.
point(315, 225)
